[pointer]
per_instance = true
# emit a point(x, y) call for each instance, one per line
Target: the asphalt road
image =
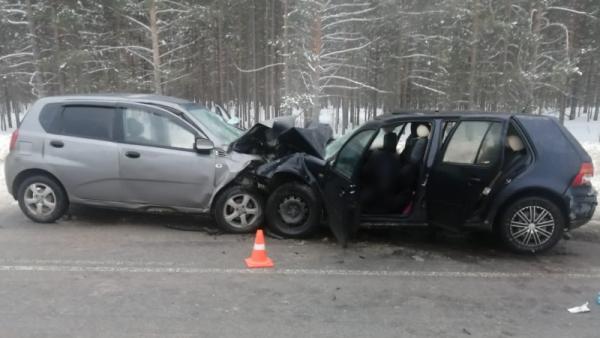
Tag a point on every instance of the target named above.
point(114, 274)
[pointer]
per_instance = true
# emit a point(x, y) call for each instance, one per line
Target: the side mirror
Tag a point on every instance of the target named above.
point(203, 144)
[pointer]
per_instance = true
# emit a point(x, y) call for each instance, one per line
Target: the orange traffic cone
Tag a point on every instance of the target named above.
point(258, 258)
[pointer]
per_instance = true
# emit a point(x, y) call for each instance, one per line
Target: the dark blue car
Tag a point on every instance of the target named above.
point(524, 177)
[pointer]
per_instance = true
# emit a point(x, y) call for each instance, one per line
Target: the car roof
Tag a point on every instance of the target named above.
point(407, 115)
point(120, 97)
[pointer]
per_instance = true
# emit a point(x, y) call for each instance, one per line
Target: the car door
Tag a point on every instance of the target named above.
point(81, 152)
point(341, 188)
point(158, 165)
point(468, 162)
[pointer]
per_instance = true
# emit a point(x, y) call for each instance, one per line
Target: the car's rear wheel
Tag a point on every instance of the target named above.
point(531, 224)
point(293, 210)
point(238, 209)
point(42, 199)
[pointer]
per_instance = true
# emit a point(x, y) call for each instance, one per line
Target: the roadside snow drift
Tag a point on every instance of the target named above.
point(5, 197)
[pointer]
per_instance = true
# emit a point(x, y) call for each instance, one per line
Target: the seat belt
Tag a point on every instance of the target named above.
point(487, 190)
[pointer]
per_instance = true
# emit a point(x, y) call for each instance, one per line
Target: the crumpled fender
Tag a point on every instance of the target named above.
point(233, 168)
point(306, 168)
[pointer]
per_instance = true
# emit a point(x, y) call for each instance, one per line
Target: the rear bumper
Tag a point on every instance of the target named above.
point(8, 172)
point(582, 208)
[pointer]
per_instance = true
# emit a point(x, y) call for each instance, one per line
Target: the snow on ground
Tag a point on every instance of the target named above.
point(5, 197)
point(588, 134)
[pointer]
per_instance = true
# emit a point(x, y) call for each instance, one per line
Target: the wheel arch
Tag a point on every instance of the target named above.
point(282, 177)
point(23, 175)
point(548, 194)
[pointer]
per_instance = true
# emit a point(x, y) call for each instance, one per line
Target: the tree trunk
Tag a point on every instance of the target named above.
point(286, 59)
point(316, 34)
point(573, 103)
point(253, 50)
point(57, 51)
point(37, 78)
point(221, 99)
point(474, 55)
point(596, 105)
point(7, 106)
point(563, 108)
point(155, 47)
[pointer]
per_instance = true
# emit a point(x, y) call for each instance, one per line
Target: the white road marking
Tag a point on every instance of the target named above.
point(172, 268)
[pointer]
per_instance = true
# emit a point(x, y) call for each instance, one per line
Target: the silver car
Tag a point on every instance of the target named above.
point(141, 152)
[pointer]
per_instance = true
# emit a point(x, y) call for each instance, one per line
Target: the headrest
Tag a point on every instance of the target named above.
point(422, 131)
point(389, 141)
point(134, 127)
point(514, 143)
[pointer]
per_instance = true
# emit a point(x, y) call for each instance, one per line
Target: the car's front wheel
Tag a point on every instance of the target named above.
point(42, 199)
point(531, 224)
point(238, 209)
point(293, 210)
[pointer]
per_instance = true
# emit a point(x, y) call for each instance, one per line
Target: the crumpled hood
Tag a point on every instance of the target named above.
point(279, 137)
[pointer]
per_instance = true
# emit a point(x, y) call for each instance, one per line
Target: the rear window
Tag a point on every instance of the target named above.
point(88, 122)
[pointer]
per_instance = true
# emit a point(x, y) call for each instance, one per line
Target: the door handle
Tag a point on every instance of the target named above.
point(132, 154)
point(57, 143)
point(474, 180)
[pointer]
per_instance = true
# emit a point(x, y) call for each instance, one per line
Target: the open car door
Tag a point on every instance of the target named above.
point(341, 189)
point(468, 163)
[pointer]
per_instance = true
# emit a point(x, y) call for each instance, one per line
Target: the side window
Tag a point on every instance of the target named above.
point(475, 142)
point(153, 129)
point(492, 145)
point(50, 117)
point(88, 122)
point(349, 156)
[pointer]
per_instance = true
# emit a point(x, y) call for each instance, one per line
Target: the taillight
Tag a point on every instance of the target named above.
point(13, 140)
point(585, 174)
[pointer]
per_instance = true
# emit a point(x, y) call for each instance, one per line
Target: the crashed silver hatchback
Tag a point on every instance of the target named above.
point(145, 152)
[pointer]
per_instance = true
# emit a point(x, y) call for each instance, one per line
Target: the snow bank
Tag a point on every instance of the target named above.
point(4, 143)
point(5, 197)
point(588, 134)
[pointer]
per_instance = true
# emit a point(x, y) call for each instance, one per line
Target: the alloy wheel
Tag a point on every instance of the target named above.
point(241, 210)
point(40, 199)
point(532, 226)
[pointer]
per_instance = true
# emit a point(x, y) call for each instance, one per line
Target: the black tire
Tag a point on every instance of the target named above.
point(304, 210)
point(519, 236)
point(58, 196)
point(235, 194)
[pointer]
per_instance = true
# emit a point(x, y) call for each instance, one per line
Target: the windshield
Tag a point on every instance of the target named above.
point(335, 145)
point(224, 132)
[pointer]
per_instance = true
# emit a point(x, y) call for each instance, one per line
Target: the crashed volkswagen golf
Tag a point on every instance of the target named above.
point(524, 177)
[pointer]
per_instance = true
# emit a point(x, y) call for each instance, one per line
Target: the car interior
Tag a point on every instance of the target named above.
point(395, 161)
point(516, 156)
point(392, 167)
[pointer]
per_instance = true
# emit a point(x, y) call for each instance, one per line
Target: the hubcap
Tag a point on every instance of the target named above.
point(241, 210)
point(40, 199)
point(293, 210)
point(532, 226)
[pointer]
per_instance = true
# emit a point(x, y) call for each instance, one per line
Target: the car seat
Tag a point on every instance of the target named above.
point(514, 156)
point(134, 132)
point(381, 175)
